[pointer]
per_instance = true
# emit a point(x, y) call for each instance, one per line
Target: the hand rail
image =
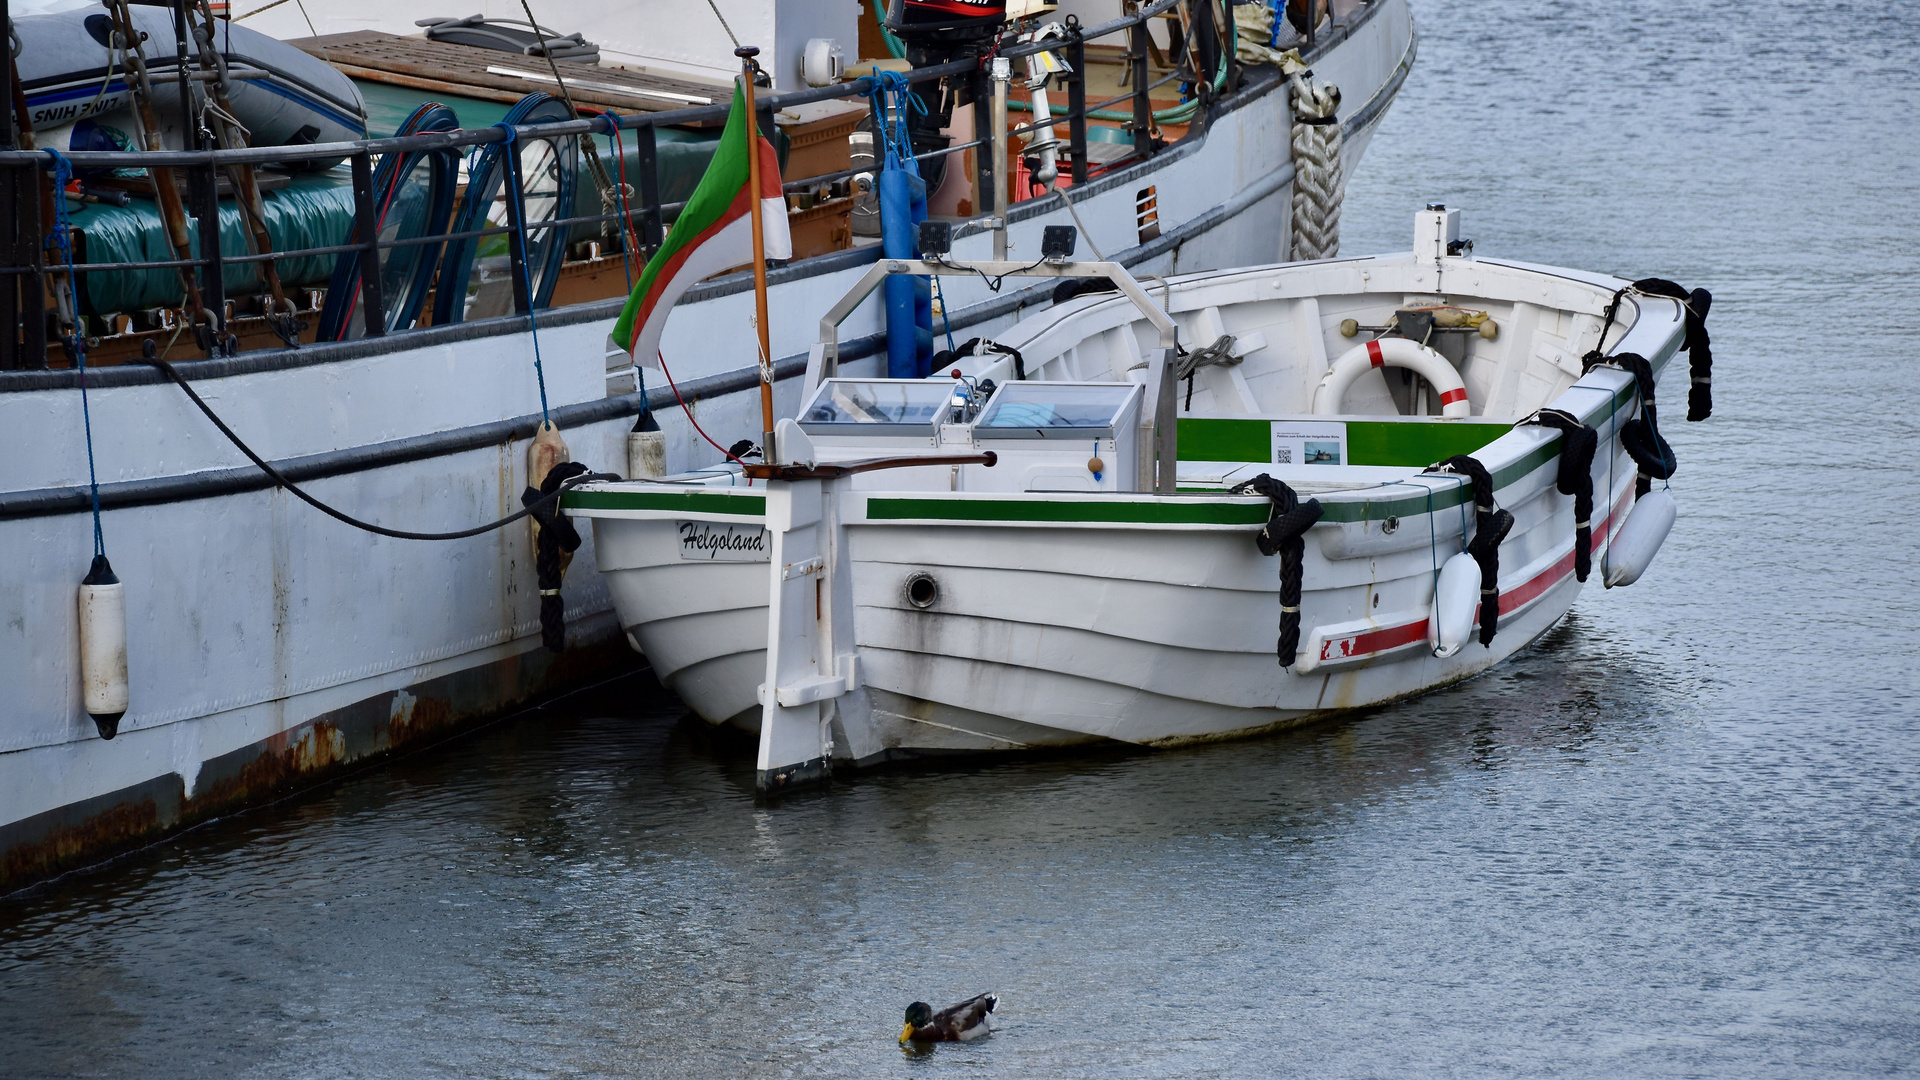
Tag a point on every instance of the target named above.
point(759, 471)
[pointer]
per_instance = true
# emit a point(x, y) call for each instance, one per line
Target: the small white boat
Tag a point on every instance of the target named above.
point(1069, 592)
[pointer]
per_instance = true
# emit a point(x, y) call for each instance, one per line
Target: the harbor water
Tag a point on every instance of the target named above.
point(1678, 837)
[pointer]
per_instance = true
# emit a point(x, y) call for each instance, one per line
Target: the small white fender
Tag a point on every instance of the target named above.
point(1392, 352)
point(103, 648)
point(1640, 537)
point(1455, 599)
point(646, 455)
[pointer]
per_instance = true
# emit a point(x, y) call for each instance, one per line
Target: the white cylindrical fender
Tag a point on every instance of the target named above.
point(1392, 352)
point(1455, 600)
point(646, 455)
point(1640, 537)
point(103, 648)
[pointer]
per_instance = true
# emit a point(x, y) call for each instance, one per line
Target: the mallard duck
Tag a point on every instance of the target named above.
point(955, 1023)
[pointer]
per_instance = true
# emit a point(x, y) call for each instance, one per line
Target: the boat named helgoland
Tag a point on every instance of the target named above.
point(1227, 503)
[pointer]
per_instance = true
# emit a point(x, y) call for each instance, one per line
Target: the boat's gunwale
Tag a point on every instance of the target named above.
point(1525, 454)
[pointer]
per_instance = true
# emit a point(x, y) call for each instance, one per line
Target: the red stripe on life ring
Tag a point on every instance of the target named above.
point(1373, 354)
point(1452, 396)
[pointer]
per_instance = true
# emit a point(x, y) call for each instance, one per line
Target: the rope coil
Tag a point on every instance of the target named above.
point(1285, 534)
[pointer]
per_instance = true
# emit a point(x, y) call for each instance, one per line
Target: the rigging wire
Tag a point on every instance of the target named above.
point(63, 239)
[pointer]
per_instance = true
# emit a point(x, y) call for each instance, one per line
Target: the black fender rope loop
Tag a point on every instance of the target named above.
point(550, 500)
point(1285, 534)
point(1490, 526)
point(1640, 436)
point(1578, 443)
point(557, 540)
point(1698, 345)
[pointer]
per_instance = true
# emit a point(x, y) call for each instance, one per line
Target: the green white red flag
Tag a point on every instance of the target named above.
point(713, 233)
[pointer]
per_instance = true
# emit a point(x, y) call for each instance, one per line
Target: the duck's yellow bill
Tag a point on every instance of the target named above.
point(906, 1033)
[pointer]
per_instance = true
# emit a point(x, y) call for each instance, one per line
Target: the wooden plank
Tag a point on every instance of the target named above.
point(493, 75)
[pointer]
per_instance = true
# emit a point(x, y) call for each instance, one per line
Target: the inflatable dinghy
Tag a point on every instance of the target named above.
point(71, 72)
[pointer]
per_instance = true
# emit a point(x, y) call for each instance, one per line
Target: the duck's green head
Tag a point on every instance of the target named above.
point(919, 1015)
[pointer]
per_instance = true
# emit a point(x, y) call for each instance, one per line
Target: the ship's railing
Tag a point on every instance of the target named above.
point(28, 265)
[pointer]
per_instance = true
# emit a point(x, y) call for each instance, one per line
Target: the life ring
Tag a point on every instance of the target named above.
point(1392, 352)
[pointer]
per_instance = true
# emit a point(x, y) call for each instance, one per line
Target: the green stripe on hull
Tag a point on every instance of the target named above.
point(1420, 443)
point(691, 502)
point(1173, 511)
point(1395, 444)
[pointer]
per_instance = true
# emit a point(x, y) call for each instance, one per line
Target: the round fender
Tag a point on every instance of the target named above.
point(1392, 352)
point(1456, 598)
point(1640, 537)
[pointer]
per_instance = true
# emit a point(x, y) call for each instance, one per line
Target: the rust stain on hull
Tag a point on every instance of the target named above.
point(297, 754)
point(73, 836)
point(117, 828)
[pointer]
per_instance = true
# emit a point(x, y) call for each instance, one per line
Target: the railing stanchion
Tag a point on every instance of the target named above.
point(23, 336)
point(1142, 107)
point(213, 285)
point(1206, 42)
point(366, 231)
point(12, 356)
point(984, 202)
point(1077, 102)
point(646, 156)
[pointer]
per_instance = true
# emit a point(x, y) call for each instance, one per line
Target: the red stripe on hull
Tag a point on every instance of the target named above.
point(1394, 637)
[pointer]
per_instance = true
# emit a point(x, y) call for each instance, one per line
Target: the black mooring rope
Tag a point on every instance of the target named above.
point(545, 499)
point(1285, 533)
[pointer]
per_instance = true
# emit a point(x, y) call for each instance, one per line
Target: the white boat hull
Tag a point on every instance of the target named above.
point(1063, 618)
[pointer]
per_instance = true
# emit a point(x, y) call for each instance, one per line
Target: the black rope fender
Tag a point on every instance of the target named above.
point(1285, 534)
point(552, 550)
point(1640, 436)
point(1490, 526)
point(1698, 345)
point(1578, 443)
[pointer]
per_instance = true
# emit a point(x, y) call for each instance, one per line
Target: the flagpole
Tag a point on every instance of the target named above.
point(746, 53)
